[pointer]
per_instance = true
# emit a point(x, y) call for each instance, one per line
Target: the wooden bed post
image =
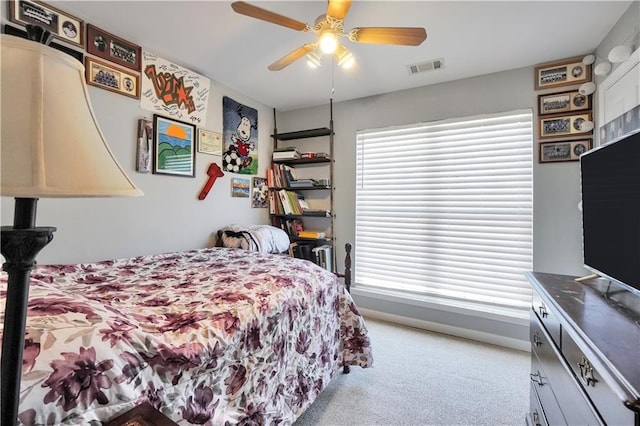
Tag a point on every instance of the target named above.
point(347, 267)
point(346, 369)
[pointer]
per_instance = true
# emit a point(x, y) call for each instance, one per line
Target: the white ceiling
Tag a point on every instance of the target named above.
point(473, 37)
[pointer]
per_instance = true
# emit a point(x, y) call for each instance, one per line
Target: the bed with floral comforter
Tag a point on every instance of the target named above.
point(212, 336)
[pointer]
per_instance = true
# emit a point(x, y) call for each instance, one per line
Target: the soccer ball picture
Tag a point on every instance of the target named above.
point(231, 161)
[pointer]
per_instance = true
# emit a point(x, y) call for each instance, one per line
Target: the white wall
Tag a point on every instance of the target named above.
point(169, 217)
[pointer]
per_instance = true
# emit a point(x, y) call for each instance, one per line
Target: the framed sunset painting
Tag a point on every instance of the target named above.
point(174, 143)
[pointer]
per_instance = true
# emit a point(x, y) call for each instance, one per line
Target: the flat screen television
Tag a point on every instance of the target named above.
point(610, 189)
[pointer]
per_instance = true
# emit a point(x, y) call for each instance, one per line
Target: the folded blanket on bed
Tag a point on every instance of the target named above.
point(261, 238)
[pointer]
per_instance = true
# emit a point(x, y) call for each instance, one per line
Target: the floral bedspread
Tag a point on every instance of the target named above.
point(212, 336)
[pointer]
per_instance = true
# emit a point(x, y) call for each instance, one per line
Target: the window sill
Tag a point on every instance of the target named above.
point(511, 316)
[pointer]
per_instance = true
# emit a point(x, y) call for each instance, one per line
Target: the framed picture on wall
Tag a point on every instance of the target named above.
point(112, 48)
point(174, 149)
point(62, 25)
point(562, 73)
point(209, 142)
point(565, 125)
point(110, 77)
point(554, 103)
point(553, 152)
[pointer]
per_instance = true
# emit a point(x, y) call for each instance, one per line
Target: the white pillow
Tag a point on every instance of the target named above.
point(269, 239)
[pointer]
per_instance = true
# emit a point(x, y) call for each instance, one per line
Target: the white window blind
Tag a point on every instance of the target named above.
point(445, 209)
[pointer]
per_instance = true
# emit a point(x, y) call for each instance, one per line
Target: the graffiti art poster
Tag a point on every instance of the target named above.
point(240, 133)
point(173, 91)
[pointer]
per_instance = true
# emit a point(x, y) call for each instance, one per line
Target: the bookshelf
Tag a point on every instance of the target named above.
point(301, 195)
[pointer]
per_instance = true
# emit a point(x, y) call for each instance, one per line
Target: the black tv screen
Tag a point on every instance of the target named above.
point(610, 186)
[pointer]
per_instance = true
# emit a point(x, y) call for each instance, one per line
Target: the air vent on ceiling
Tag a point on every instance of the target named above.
point(434, 64)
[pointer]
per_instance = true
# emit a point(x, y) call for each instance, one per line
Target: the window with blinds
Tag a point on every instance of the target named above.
point(445, 209)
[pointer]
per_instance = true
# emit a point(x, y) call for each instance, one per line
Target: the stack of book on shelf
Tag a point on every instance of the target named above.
point(288, 203)
point(323, 256)
point(299, 183)
point(314, 155)
point(280, 176)
point(285, 153)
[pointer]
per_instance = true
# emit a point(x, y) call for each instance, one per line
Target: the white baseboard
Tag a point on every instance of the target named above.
point(448, 329)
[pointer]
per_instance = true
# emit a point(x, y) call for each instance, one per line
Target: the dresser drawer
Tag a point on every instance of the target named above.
point(567, 392)
point(547, 316)
point(607, 402)
point(539, 381)
point(535, 417)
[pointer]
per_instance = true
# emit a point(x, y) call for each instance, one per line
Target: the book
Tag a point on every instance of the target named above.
point(325, 213)
point(323, 256)
point(304, 206)
point(297, 183)
point(284, 200)
point(311, 234)
point(285, 155)
point(285, 148)
point(314, 155)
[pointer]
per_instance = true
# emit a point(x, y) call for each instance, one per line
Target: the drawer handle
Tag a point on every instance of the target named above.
point(586, 372)
point(536, 378)
point(536, 339)
point(543, 310)
point(536, 418)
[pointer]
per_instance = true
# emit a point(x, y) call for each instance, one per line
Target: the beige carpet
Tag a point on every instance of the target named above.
point(423, 378)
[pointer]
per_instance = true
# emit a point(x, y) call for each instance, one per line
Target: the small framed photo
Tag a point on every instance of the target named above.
point(554, 152)
point(62, 25)
point(209, 142)
point(565, 125)
point(259, 192)
point(554, 103)
point(145, 142)
point(562, 73)
point(174, 144)
point(109, 77)
point(240, 187)
point(107, 46)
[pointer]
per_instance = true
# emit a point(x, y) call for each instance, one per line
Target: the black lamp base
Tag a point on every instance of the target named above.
point(19, 248)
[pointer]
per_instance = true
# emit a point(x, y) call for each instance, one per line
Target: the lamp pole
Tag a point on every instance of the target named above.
point(19, 245)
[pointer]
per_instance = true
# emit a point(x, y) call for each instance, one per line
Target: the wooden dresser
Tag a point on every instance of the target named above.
point(585, 352)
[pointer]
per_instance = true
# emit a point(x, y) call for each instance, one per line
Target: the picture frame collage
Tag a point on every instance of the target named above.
point(164, 145)
point(565, 117)
point(111, 63)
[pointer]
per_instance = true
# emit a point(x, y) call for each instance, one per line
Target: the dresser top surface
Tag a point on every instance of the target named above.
point(604, 314)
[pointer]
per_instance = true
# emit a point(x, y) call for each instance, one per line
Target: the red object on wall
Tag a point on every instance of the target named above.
point(214, 173)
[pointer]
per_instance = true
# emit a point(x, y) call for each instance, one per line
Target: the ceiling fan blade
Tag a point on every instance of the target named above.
point(338, 8)
point(408, 36)
point(292, 57)
point(252, 11)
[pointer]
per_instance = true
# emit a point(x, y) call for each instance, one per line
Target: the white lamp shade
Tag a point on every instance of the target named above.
point(602, 68)
point(50, 142)
point(619, 54)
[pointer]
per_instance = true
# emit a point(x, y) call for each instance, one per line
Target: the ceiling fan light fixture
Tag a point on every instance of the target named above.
point(313, 60)
point(328, 42)
point(344, 57)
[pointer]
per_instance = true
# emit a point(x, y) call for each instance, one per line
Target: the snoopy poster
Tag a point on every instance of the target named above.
point(240, 133)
